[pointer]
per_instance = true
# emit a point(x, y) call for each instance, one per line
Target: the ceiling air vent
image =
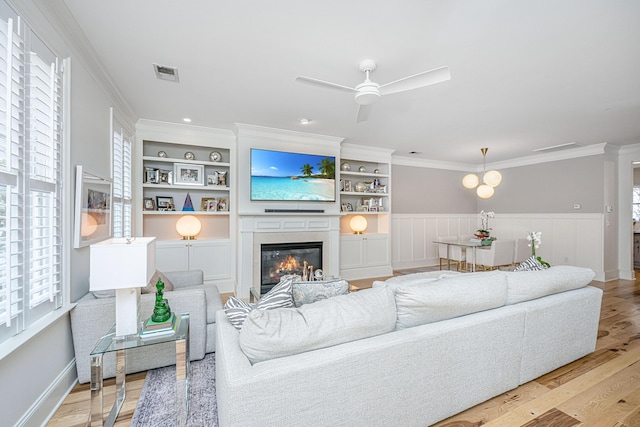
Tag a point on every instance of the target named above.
point(557, 147)
point(166, 73)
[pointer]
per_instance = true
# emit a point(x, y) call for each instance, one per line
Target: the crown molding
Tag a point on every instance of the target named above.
point(284, 135)
point(573, 153)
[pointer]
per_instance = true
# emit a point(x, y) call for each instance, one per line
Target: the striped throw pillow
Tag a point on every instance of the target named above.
point(530, 264)
point(236, 311)
point(279, 296)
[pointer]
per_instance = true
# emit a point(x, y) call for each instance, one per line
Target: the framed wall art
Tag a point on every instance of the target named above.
point(92, 222)
point(188, 174)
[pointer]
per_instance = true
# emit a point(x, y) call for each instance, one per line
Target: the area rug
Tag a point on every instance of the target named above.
point(156, 406)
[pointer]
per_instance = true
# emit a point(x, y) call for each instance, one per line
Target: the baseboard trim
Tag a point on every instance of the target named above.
point(52, 398)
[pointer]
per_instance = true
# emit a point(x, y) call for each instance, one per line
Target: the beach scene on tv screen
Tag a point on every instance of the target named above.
point(278, 175)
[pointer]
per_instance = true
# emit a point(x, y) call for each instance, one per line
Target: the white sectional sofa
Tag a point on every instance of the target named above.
point(426, 347)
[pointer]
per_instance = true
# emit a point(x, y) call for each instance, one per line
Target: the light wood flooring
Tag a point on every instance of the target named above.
point(599, 390)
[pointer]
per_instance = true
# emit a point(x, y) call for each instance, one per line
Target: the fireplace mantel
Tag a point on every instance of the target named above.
point(254, 230)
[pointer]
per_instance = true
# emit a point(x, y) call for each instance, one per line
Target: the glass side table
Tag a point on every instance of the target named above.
point(120, 345)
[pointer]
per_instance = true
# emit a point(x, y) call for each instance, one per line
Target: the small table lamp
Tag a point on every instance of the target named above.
point(125, 265)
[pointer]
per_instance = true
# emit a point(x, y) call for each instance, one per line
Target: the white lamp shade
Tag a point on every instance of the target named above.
point(358, 224)
point(484, 191)
point(492, 178)
point(470, 181)
point(116, 264)
point(188, 226)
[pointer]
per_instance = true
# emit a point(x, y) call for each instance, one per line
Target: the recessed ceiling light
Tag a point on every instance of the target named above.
point(186, 120)
point(304, 121)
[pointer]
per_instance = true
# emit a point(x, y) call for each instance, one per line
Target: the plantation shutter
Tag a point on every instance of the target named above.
point(30, 179)
point(122, 191)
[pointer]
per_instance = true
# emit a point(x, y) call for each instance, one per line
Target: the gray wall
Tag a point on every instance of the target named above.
point(424, 190)
point(552, 187)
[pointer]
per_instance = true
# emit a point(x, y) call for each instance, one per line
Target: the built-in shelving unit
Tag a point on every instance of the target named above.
point(365, 189)
point(174, 161)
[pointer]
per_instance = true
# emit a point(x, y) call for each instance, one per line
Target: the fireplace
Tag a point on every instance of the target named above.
point(280, 259)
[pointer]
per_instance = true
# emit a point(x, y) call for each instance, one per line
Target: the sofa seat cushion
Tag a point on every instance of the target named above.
point(449, 297)
point(310, 292)
point(528, 285)
point(287, 331)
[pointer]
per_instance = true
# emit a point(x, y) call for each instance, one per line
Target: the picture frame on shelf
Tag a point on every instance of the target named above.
point(165, 177)
point(92, 222)
point(164, 203)
point(218, 178)
point(373, 209)
point(347, 186)
point(344, 208)
point(149, 204)
point(188, 174)
point(349, 207)
point(151, 176)
point(223, 205)
point(212, 205)
point(204, 203)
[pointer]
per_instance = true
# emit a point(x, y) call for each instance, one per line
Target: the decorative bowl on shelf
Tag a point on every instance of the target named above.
point(214, 156)
point(345, 166)
point(189, 155)
point(360, 187)
point(162, 154)
point(376, 171)
point(362, 169)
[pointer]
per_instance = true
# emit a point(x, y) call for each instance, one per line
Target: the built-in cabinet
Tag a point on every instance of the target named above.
point(365, 190)
point(186, 170)
point(636, 250)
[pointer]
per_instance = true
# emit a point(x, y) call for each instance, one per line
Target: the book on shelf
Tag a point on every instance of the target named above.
point(153, 329)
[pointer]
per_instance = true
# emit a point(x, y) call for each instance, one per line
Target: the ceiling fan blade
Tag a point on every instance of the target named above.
point(363, 113)
point(323, 84)
point(416, 81)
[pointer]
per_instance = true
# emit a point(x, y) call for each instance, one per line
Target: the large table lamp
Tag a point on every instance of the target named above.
point(125, 265)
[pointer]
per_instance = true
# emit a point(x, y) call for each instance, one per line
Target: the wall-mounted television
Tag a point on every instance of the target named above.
point(288, 176)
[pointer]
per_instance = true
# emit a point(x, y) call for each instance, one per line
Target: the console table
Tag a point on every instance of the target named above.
point(110, 343)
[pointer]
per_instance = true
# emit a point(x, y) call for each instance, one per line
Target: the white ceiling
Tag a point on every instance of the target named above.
point(524, 74)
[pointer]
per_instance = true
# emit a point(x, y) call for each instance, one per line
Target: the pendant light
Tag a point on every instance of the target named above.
point(490, 179)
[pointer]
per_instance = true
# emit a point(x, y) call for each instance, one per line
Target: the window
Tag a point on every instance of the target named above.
point(636, 204)
point(121, 147)
point(30, 178)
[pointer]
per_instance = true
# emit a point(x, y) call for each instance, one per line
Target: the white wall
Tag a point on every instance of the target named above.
point(567, 239)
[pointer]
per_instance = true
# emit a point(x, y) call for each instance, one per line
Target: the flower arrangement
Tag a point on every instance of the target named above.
point(484, 218)
point(535, 238)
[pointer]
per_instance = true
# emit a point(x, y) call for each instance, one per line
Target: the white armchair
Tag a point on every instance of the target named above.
point(522, 251)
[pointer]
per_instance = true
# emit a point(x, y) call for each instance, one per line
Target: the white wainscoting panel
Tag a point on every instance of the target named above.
point(567, 239)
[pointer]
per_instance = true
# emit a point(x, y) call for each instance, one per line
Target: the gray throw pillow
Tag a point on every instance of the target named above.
point(309, 292)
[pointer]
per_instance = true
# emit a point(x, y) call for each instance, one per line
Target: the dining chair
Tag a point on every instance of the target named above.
point(499, 254)
point(456, 253)
point(522, 251)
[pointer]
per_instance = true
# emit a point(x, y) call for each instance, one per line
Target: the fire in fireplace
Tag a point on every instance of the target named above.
point(281, 259)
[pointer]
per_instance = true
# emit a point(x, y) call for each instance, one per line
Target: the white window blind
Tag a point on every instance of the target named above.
point(30, 178)
point(121, 148)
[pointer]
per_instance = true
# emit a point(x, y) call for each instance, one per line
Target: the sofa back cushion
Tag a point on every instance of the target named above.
point(528, 285)
point(286, 331)
point(414, 278)
point(450, 297)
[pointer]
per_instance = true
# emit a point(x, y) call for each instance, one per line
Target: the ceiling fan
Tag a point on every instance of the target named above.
point(368, 92)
